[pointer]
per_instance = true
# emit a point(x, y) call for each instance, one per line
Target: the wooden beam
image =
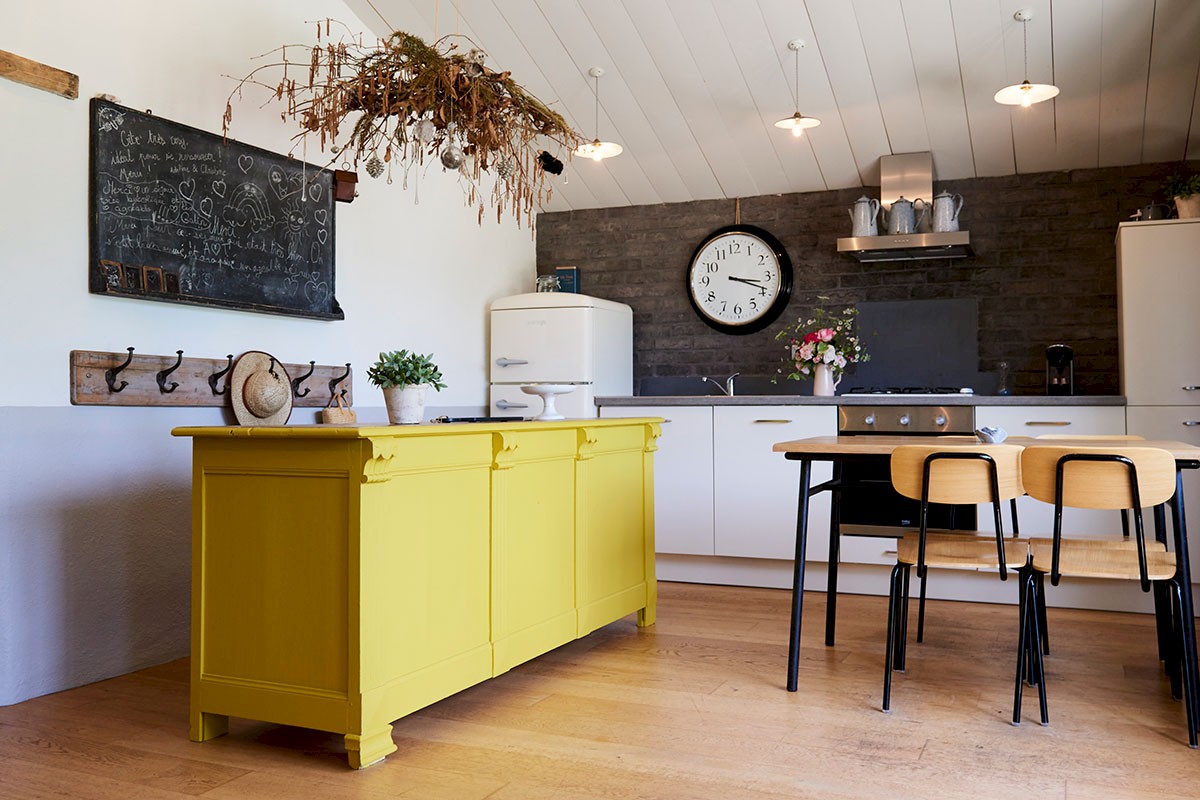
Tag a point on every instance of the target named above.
point(39, 76)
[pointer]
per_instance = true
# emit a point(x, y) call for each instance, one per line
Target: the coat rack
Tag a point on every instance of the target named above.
point(101, 378)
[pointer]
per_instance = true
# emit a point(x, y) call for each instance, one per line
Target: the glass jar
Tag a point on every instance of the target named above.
point(547, 283)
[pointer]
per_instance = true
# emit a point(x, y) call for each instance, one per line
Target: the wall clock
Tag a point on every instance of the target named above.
point(739, 279)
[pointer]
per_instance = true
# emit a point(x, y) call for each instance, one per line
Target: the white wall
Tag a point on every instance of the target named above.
point(94, 521)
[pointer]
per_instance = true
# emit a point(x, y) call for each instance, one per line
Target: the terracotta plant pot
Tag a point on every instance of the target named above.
point(1188, 207)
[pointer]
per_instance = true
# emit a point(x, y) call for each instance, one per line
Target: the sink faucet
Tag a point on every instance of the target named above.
point(727, 389)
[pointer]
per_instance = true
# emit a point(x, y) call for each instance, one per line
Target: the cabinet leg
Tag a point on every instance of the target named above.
point(363, 751)
point(204, 726)
point(646, 616)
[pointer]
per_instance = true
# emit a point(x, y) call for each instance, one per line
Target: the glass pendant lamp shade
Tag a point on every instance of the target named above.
point(797, 122)
point(1025, 93)
point(596, 149)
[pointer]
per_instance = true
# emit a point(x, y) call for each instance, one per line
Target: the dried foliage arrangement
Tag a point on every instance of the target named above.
point(403, 102)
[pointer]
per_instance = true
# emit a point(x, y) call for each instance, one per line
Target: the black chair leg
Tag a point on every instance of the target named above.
point(1040, 592)
point(1190, 679)
point(1035, 602)
point(894, 599)
point(921, 610)
point(902, 611)
point(1022, 649)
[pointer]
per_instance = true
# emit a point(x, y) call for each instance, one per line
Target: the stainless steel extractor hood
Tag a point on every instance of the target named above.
point(908, 175)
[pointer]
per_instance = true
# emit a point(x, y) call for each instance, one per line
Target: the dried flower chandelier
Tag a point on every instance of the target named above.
point(405, 101)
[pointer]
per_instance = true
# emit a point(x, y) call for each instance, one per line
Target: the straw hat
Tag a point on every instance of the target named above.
point(261, 390)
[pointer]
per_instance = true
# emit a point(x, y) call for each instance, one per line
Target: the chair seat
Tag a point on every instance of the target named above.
point(1087, 561)
point(1152, 545)
point(954, 551)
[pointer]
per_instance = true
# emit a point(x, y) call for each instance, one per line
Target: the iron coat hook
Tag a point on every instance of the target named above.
point(335, 381)
point(110, 375)
point(312, 365)
point(216, 376)
point(162, 375)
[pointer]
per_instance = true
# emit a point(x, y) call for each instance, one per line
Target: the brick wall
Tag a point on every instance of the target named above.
point(1044, 270)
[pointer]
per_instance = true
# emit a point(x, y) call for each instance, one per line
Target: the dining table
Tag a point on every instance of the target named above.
point(878, 449)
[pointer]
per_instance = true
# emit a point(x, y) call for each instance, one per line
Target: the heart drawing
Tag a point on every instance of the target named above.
point(187, 188)
point(245, 162)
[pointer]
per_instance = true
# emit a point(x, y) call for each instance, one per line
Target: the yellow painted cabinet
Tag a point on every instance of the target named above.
point(343, 577)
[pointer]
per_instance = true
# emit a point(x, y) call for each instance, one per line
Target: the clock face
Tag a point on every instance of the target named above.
point(739, 279)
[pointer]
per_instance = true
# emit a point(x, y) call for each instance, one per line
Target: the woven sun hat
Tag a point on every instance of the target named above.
point(261, 390)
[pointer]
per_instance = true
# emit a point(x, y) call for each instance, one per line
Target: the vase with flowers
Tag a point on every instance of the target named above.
point(822, 347)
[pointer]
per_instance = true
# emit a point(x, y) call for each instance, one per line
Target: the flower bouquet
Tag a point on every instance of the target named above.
point(823, 346)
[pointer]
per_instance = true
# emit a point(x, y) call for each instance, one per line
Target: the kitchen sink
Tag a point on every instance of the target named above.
point(697, 386)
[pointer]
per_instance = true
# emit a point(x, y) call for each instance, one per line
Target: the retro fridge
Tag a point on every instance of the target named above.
point(563, 338)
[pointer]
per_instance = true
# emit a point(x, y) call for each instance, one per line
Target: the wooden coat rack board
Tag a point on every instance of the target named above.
point(199, 381)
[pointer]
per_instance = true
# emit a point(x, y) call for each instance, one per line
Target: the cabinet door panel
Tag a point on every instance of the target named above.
point(1160, 329)
point(683, 476)
point(1169, 423)
point(1037, 518)
point(755, 506)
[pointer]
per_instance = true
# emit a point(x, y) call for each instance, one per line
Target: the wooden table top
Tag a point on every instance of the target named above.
point(884, 445)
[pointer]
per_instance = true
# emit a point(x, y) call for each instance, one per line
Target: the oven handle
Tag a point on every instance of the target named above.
point(771, 421)
point(1060, 423)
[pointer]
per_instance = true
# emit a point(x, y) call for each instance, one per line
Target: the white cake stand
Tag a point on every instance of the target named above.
point(548, 391)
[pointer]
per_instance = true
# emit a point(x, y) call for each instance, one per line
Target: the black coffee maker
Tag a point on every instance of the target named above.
point(1060, 369)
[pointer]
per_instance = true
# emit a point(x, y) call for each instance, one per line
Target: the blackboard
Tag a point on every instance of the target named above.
point(181, 215)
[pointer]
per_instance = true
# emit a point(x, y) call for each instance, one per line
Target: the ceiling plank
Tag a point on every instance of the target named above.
point(644, 150)
point(1124, 72)
point(1077, 45)
point(621, 40)
point(760, 62)
point(1174, 62)
point(830, 143)
point(930, 33)
point(980, 38)
point(845, 59)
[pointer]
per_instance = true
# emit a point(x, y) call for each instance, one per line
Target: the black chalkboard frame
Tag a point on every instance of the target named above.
point(160, 281)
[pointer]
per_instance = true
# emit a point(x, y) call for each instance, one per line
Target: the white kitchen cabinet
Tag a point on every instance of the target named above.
point(1177, 424)
point(755, 489)
point(1035, 517)
point(683, 476)
point(1158, 274)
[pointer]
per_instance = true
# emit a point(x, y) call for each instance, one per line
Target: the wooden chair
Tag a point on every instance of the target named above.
point(1130, 478)
point(949, 473)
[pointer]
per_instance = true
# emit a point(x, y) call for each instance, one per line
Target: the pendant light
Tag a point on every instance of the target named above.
point(797, 122)
point(596, 149)
point(1025, 93)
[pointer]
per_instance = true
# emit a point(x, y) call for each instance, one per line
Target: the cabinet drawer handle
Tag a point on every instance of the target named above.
point(505, 404)
point(510, 362)
point(771, 421)
point(1055, 422)
point(1190, 388)
point(1191, 422)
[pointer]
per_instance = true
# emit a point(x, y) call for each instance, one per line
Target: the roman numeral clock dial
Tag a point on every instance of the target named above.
point(739, 279)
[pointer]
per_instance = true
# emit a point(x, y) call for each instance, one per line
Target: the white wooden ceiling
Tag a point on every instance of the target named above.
point(692, 87)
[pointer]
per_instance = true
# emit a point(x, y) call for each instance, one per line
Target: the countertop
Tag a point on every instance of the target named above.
point(865, 400)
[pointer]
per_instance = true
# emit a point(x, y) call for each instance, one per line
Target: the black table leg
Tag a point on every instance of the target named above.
point(835, 555)
point(1184, 576)
point(1162, 594)
point(798, 574)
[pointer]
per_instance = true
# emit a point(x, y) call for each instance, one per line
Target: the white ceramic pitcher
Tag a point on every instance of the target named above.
point(863, 216)
point(902, 218)
point(946, 208)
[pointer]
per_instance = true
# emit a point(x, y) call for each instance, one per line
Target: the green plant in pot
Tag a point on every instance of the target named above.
point(405, 378)
point(1185, 190)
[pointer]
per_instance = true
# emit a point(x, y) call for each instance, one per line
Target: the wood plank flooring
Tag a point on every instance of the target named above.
point(693, 707)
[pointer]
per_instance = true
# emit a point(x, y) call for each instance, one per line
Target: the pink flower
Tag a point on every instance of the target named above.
point(809, 338)
point(825, 334)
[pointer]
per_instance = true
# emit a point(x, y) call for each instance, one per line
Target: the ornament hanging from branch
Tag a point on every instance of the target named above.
point(406, 101)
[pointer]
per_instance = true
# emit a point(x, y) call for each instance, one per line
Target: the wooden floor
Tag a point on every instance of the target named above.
point(693, 707)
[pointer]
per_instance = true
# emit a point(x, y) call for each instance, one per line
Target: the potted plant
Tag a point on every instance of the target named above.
point(404, 378)
point(1185, 189)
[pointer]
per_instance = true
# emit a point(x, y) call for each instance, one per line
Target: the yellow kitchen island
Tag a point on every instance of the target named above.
point(344, 576)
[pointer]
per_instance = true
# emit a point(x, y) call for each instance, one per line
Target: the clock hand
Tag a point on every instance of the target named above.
point(750, 281)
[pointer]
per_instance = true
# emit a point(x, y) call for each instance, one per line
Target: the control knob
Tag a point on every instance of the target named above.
point(869, 419)
point(904, 420)
point(940, 419)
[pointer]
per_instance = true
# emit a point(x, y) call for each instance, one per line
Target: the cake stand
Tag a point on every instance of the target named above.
point(548, 391)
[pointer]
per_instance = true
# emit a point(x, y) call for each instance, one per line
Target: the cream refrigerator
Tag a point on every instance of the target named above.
point(559, 337)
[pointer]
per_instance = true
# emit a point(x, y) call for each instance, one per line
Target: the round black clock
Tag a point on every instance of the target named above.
point(739, 279)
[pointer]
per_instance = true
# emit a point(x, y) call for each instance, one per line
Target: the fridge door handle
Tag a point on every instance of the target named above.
point(510, 362)
point(504, 405)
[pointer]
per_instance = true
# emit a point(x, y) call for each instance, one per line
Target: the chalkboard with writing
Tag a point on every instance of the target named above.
point(184, 216)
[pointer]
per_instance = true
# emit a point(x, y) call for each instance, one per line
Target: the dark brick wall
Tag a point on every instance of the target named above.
point(1044, 270)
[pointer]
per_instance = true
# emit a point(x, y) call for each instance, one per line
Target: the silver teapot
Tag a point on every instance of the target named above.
point(902, 217)
point(863, 216)
point(946, 208)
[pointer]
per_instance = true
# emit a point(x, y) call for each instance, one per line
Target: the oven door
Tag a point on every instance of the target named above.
point(869, 499)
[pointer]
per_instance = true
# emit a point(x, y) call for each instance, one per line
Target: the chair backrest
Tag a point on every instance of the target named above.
point(959, 479)
point(1099, 484)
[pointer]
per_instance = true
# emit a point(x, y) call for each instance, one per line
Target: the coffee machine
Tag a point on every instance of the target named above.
point(1060, 369)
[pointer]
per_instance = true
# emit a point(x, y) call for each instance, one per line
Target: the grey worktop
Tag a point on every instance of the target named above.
point(865, 400)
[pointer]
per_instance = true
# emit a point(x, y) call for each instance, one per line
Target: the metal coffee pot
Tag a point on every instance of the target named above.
point(902, 218)
point(946, 208)
point(863, 216)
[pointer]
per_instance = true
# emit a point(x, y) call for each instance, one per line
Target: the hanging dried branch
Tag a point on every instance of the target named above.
point(405, 100)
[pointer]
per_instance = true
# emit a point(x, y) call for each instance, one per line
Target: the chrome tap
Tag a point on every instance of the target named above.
point(727, 389)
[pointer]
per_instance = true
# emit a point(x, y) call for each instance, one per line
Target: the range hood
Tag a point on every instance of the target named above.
point(908, 175)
